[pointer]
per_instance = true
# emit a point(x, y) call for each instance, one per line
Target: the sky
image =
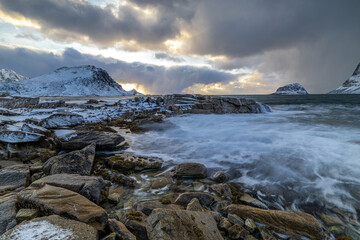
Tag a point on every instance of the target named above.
point(187, 46)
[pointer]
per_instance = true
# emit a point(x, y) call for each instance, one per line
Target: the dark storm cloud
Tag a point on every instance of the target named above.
point(166, 56)
point(155, 79)
point(70, 19)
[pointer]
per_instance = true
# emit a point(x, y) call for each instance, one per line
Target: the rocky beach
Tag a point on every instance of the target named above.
point(66, 174)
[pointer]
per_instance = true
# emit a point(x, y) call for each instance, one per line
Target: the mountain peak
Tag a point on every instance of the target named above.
point(10, 75)
point(68, 81)
point(291, 89)
point(351, 85)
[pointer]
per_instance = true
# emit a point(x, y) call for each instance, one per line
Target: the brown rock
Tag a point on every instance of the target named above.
point(25, 214)
point(287, 222)
point(120, 230)
point(222, 190)
point(180, 224)
point(237, 231)
point(60, 201)
point(193, 170)
point(131, 162)
point(8, 212)
point(161, 182)
point(76, 162)
point(194, 205)
point(147, 207)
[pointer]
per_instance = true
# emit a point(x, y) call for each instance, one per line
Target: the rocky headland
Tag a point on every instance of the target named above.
point(65, 174)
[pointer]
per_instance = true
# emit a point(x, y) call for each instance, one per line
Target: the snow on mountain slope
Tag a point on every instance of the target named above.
point(291, 89)
point(10, 75)
point(67, 81)
point(350, 86)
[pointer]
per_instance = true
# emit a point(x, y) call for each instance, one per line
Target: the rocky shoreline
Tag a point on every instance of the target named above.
point(65, 175)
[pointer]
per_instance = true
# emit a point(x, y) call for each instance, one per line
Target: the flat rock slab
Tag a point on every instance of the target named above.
point(76, 162)
point(51, 227)
point(103, 140)
point(205, 199)
point(190, 170)
point(19, 137)
point(168, 224)
point(60, 201)
point(131, 162)
point(88, 186)
point(286, 222)
point(8, 212)
point(14, 177)
point(59, 120)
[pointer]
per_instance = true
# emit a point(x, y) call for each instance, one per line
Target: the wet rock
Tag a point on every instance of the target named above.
point(250, 237)
point(88, 186)
point(131, 162)
point(111, 236)
point(120, 230)
point(116, 194)
point(161, 182)
point(287, 222)
point(188, 225)
point(235, 219)
point(60, 201)
point(92, 101)
point(59, 120)
point(51, 227)
point(237, 232)
point(266, 234)
point(26, 214)
point(224, 224)
point(249, 200)
point(147, 207)
point(136, 222)
point(19, 137)
point(14, 178)
point(220, 177)
point(193, 170)
point(7, 112)
point(331, 220)
point(81, 139)
point(222, 190)
point(250, 225)
point(76, 162)
point(8, 212)
point(194, 205)
point(34, 129)
point(205, 199)
point(115, 177)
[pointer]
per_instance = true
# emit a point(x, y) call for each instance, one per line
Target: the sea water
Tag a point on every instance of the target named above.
point(304, 155)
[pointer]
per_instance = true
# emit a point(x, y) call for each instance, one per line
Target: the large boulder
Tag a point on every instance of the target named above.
point(192, 170)
point(13, 178)
point(59, 120)
point(131, 162)
point(56, 200)
point(103, 140)
point(297, 224)
point(51, 227)
point(8, 136)
point(168, 224)
point(148, 206)
point(8, 212)
point(88, 186)
point(76, 162)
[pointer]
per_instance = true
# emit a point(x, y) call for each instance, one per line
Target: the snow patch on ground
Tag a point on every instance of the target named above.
point(39, 231)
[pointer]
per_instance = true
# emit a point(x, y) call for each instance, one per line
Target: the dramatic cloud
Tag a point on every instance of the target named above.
point(315, 43)
point(155, 79)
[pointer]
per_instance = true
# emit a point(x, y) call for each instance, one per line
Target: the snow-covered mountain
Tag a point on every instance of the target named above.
point(67, 81)
point(350, 86)
point(10, 75)
point(291, 89)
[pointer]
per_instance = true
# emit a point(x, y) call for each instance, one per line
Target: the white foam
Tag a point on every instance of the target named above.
point(306, 149)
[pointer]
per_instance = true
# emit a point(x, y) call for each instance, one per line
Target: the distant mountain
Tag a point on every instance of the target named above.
point(350, 86)
point(10, 75)
point(67, 81)
point(291, 89)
